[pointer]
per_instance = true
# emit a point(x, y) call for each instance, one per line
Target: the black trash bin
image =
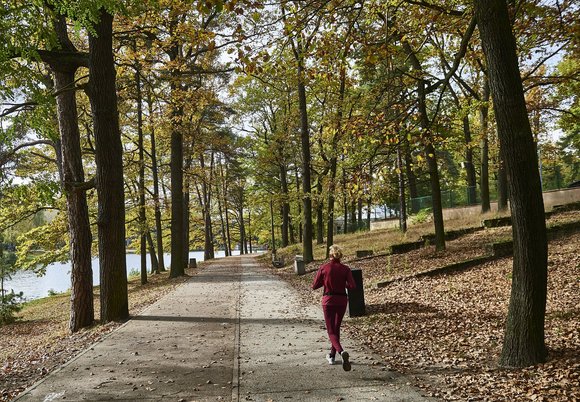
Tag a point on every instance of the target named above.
point(356, 297)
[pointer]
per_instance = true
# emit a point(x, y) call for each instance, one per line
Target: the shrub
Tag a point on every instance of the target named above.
point(10, 304)
point(134, 272)
point(422, 216)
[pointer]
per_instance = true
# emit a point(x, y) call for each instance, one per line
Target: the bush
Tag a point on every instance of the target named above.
point(10, 304)
point(422, 216)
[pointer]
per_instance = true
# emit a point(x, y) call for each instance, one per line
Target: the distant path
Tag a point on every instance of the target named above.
point(233, 332)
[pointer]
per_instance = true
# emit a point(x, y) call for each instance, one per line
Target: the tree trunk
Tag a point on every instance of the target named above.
point(285, 205)
point(305, 144)
point(430, 153)
point(221, 210)
point(228, 235)
point(142, 217)
point(353, 215)
point(412, 180)
point(469, 167)
point(109, 180)
point(176, 164)
point(334, 158)
point(186, 223)
point(402, 200)
point(502, 187)
point(299, 206)
point(331, 190)
point(344, 198)
point(272, 233)
point(319, 213)
point(250, 229)
point(156, 200)
point(206, 196)
point(370, 195)
point(524, 334)
point(359, 206)
point(484, 174)
point(241, 222)
point(152, 254)
point(71, 170)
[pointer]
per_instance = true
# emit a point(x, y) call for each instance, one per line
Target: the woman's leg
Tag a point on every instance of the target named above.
point(337, 321)
point(333, 317)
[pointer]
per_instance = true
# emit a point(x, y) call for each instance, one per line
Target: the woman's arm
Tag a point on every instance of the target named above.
point(350, 283)
point(318, 280)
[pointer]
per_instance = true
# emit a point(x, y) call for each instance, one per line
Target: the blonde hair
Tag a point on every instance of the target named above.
point(335, 252)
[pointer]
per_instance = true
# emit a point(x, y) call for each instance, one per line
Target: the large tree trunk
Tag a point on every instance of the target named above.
point(176, 165)
point(177, 229)
point(484, 173)
point(524, 334)
point(71, 167)
point(109, 180)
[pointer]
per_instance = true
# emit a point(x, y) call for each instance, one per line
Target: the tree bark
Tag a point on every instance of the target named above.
point(109, 179)
point(71, 168)
point(142, 218)
point(305, 145)
point(411, 179)
point(285, 205)
point(186, 202)
point(502, 187)
point(152, 254)
point(319, 213)
point(524, 334)
point(331, 190)
point(430, 153)
point(484, 173)
point(469, 167)
point(176, 164)
point(402, 200)
point(156, 200)
point(344, 197)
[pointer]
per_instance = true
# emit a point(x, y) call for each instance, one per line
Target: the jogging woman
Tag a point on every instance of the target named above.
point(335, 278)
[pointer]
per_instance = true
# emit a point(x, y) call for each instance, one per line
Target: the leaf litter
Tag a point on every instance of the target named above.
point(446, 331)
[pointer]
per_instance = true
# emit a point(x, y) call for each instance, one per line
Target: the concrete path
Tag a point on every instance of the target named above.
point(233, 332)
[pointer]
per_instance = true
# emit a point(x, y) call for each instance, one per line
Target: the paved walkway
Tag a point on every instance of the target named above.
point(233, 332)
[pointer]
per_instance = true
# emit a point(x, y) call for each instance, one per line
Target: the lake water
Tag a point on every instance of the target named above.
point(57, 277)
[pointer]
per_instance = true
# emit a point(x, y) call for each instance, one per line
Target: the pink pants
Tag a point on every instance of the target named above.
point(333, 318)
